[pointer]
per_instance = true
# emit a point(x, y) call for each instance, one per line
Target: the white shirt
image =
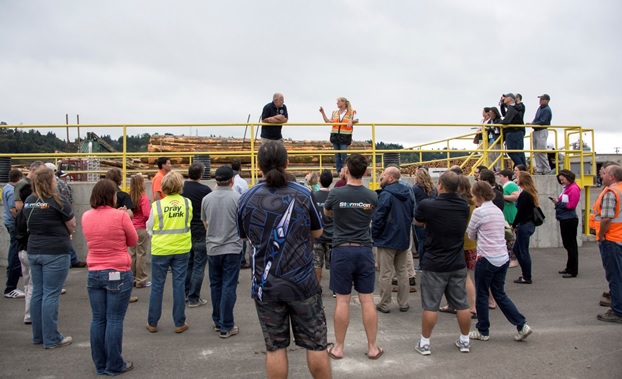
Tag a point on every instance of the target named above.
point(239, 185)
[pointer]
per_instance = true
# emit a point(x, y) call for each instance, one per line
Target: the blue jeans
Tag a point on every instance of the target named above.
point(420, 234)
point(196, 269)
point(109, 300)
point(611, 255)
point(48, 273)
point(516, 141)
point(224, 271)
point(521, 247)
point(14, 267)
point(73, 256)
point(243, 253)
point(490, 277)
point(340, 158)
point(159, 267)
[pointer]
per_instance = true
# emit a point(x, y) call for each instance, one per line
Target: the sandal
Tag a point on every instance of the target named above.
point(380, 352)
point(329, 350)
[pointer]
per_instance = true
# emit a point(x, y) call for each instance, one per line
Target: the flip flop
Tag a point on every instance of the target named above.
point(329, 350)
point(491, 307)
point(380, 352)
point(446, 309)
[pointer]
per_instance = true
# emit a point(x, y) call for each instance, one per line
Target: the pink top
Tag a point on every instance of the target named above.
point(108, 233)
point(141, 212)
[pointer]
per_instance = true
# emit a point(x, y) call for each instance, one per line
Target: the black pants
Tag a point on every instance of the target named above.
point(569, 238)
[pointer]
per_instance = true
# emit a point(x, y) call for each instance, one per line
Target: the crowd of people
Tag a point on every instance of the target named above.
point(466, 234)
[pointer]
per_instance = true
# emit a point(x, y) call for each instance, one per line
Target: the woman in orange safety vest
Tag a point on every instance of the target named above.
point(341, 135)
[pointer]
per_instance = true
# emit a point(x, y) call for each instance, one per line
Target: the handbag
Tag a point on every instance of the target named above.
point(538, 216)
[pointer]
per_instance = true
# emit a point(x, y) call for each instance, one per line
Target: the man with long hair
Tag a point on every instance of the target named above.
point(279, 219)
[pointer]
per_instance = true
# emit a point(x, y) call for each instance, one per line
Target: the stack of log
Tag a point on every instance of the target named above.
point(174, 145)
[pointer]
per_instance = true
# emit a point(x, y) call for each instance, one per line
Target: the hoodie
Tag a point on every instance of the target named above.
point(393, 217)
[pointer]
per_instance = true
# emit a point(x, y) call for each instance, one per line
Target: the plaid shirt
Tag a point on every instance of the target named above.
point(608, 204)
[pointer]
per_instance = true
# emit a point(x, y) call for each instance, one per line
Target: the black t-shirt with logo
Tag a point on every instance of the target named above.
point(353, 208)
point(46, 220)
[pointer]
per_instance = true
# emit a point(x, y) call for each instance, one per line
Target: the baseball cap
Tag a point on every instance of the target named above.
point(224, 173)
point(510, 95)
point(51, 166)
point(61, 173)
point(545, 97)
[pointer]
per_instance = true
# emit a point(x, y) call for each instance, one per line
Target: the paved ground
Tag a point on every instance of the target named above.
point(568, 341)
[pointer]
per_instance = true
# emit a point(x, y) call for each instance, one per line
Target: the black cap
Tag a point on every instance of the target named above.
point(545, 97)
point(224, 173)
point(510, 95)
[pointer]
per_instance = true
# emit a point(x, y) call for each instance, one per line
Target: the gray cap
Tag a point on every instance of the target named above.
point(545, 97)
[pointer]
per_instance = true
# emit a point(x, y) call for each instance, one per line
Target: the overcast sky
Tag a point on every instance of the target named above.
point(441, 61)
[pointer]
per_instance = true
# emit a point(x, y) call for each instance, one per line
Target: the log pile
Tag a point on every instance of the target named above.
point(173, 145)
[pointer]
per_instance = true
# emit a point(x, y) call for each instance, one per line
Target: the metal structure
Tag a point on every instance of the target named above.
point(478, 155)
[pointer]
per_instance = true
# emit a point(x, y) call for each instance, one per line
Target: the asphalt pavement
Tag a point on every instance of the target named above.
point(567, 341)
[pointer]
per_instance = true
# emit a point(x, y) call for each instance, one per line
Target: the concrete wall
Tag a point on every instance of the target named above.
point(547, 235)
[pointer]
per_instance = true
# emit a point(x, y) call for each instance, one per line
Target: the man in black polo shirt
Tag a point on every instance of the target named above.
point(445, 219)
point(274, 113)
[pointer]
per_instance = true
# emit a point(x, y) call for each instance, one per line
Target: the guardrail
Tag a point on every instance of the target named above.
point(474, 156)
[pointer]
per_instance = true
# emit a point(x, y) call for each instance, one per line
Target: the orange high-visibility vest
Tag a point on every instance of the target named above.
point(343, 129)
point(614, 233)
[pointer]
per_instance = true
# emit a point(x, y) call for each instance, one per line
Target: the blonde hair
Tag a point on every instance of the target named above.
point(313, 178)
point(43, 184)
point(137, 188)
point(348, 105)
point(422, 177)
point(172, 183)
point(525, 181)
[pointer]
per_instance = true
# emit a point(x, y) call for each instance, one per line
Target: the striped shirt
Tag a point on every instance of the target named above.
point(487, 226)
point(608, 204)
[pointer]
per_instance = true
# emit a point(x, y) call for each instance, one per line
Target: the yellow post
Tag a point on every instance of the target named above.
point(373, 159)
point(124, 173)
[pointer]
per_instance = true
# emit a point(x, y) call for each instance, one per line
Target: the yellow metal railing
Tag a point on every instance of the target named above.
point(475, 154)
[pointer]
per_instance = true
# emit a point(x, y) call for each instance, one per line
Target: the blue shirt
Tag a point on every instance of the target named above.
point(8, 198)
point(544, 115)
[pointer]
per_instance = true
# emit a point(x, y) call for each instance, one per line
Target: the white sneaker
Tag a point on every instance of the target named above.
point(523, 333)
point(464, 347)
point(66, 341)
point(197, 304)
point(15, 294)
point(423, 350)
point(476, 335)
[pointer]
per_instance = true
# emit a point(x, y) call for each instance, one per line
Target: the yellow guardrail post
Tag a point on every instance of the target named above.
point(373, 154)
point(125, 187)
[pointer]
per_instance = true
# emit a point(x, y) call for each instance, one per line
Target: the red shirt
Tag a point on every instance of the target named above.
point(141, 212)
point(108, 233)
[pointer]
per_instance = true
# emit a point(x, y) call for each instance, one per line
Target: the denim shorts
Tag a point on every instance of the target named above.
point(307, 319)
point(352, 264)
point(321, 255)
point(451, 284)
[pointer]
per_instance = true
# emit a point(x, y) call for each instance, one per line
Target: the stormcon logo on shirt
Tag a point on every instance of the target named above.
point(174, 209)
point(360, 205)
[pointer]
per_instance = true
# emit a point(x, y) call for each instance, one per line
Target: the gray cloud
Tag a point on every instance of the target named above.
point(397, 61)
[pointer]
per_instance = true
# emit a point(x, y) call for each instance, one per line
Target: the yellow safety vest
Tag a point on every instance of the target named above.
point(171, 226)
